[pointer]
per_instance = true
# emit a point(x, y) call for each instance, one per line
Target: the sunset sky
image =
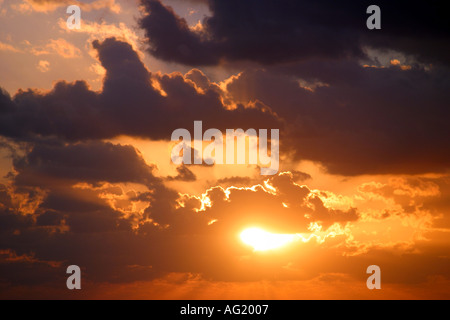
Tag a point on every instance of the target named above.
point(86, 178)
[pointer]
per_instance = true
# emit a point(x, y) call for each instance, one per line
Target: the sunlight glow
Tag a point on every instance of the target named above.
point(262, 240)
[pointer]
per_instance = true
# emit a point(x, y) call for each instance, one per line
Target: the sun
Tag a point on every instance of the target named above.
point(262, 240)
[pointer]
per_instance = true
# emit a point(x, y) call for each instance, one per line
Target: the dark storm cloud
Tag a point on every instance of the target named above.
point(49, 218)
point(22, 270)
point(127, 105)
point(188, 46)
point(273, 31)
point(89, 162)
point(354, 120)
point(10, 220)
point(357, 120)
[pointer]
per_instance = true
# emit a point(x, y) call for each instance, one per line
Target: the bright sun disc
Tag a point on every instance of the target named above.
point(262, 240)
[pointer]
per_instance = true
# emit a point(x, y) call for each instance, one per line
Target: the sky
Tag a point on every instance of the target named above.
point(86, 123)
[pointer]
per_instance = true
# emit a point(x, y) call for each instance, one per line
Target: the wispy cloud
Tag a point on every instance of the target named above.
point(27, 6)
point(58, 46)
point(8, 47)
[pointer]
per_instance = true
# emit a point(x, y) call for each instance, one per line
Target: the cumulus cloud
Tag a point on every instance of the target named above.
point(127, 105)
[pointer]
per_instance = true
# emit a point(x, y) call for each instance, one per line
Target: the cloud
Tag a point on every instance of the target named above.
point(127, 105)
point(58, 46)
point(261, 205)
point(184, 174)
point(72, 202)
point(271, 32)
point(76, 223)
point(74, 199)
point(43, 66)
point(192, 286)
point(235, 181)
point(352, 119)
point(102, 31)
point(188, 46)
point(8, 47)
point(173, 234)
point(52, 5)
point(356, 120)
point(89, 162)
point(300, 176)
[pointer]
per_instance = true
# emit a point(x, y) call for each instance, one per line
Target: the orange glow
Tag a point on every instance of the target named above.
point(262, 240)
